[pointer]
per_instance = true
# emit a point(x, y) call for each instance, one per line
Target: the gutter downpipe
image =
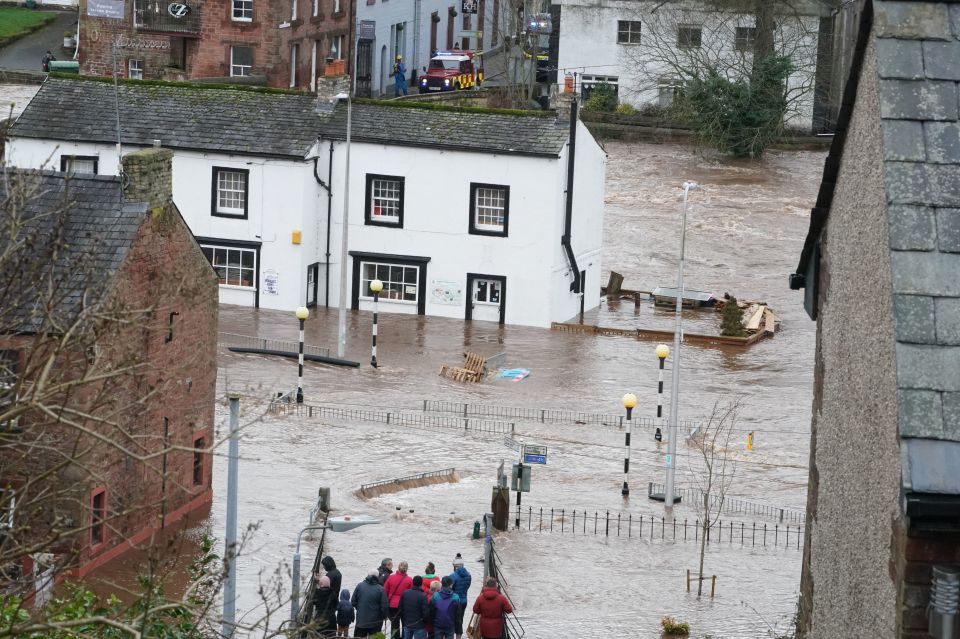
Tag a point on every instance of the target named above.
point(576, 285)
point(326, 187)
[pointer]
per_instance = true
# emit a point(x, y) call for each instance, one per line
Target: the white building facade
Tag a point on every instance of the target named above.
point(470, 228)
point(642, 48)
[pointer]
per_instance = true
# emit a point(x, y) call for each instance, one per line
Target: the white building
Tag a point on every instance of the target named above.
point(461, 212)
point(642, 47)
point(414, 29)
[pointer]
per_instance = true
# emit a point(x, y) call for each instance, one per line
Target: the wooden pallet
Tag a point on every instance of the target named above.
point(473, 370)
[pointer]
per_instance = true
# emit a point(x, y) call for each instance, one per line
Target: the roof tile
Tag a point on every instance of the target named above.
point(903, 140)
point(940, 60)
point(915, 319)
point(916, 273)
point(948, 230)
point(921, 413)
point(942, 140)
point(928, 367)
point(948, 320)
point(912, 228)
point(918, 100)
point(899, 59)
point(912, 20)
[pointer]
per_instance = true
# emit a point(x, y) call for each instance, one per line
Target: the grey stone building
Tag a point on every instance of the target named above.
point(881, 274)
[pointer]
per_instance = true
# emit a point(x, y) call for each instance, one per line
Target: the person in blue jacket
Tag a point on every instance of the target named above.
point(399, 78)
point(461, 584)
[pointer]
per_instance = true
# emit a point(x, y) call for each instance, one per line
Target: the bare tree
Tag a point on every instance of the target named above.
point(712, 470)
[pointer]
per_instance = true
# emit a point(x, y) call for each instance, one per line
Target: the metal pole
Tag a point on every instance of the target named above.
point(662, 352)
point(625, 491)
point(300, 373)
point(487, 543)
point(376, 304)
point(342, 318)
point(295, 574)
point(519, 484)
point(675, 383)
point(233, 456)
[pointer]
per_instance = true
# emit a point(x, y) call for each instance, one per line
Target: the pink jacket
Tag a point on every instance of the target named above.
point(395, 585)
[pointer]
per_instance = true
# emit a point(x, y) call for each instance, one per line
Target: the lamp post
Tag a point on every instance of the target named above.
point(675, 377)
point(375, 287)
point(663, 351)
point(345, 223)
point(336, 524)
point(230, 551)
point(302, 314)
point(629, 401)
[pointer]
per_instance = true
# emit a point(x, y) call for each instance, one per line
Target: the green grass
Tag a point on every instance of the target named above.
point(16, 22)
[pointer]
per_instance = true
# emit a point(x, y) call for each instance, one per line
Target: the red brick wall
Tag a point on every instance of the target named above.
point(921, 554)
point(306, 30)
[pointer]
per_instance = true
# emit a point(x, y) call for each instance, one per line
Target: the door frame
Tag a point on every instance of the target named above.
point(471, 277)
point(315, 267)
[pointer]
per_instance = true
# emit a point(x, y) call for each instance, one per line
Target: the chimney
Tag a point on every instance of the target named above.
point(328, 88)
point(560, 102)
point(148, 177)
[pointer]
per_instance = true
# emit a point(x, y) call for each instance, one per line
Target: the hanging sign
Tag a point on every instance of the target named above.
point(367, 30)
point(468, 6)
point(105, 9)
point(178, 10)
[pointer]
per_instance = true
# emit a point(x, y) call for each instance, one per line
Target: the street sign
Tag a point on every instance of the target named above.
point(367, 30)
point(520, 478)
point(669, 461)
point(468, 34)
point(105, 9)
point(510, 442)
point(534, 459)
point(468, 6)
point(534, 449)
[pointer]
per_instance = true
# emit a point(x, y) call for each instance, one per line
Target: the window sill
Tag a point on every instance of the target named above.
point(316, 19)
point(234, 287)
point(384, 300)
point(242, 20)
point(230, 216)
point(384, 223)
point(489, 232)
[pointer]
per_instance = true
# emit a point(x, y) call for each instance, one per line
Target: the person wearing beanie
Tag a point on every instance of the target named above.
point(461, 584)
point(345, 614)
point(324, 607)
point(396, 584)
point(335, 577)
point(414, 610)
point(444, 608)
point(370, 600)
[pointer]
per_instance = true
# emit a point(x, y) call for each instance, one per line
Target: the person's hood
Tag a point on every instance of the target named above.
point(460, 570)
point(431, 575)
point(446, 593)
point(372, 579)
point(489, 593)
point(344, 595)
point(328, 563)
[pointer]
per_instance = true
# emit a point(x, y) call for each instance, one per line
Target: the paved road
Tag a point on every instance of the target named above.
point(26, 53)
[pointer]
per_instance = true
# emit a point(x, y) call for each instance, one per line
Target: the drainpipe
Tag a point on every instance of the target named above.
point(326, 187)
point(576, 285)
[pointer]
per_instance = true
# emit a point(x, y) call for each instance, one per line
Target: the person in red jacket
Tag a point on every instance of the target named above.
point(395, 585)
point(491, 606)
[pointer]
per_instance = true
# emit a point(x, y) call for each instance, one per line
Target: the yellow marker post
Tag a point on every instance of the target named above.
point(750, 441)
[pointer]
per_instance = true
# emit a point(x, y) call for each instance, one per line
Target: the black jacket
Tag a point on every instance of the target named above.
point(413, 608)
point(324, 607)
point(336, 579)
point(370, 600)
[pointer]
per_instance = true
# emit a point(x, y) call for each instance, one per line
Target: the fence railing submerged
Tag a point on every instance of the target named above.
point(364, 488)
point(583, 522)
point(248, 341)
point(396, 417)
point(734, 505)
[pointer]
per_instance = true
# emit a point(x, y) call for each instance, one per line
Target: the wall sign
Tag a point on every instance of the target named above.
point(105, 9)
point(446, 292)
point(178, 10)
point(367, 30)
point(126, 42)
point(271, 282)
point(468, 6)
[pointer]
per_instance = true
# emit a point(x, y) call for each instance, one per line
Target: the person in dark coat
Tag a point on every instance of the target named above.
point(444, 608)
point(461, 584)
point(324, 607)
point(370, 601)
point(491, 606)
point(385, 570)
point(46, 60)
point(345, 614)
point(414, 611)
point(336, 579)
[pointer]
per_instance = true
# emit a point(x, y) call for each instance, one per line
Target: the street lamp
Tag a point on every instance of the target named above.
point(375, 286)
point(668, 499)
point(336, 524)
point(629, 401)
point(302, 314)
point(663, 351)
point(345, 224)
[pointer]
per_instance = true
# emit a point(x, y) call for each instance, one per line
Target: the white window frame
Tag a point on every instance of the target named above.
point(629, 31)
point(316, 8)
point(336, 6)
point(490, 286)
point(69, 164)
point(237, 70)
point(390, 285)
point(135, 69)
point(293, 10)
point(294, 55)
point(336, 47)
point(388, 193)
point(10, 385)
point(486, 200)
point(241, 10)
point(224, 186)
point(215, 261)
point(7, 508)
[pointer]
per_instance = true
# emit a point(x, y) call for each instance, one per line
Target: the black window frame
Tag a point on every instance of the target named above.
point(215, 193)
point(98, 516)
point(629, 31)
point(744, 39)
point(690, 30)
point(216, 242)
point(399, 260)
point(199, 446)
point(66, 158)
point(472, 229)
point(368, 201)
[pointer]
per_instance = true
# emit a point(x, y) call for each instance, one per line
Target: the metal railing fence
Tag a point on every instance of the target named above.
point(397, 480)
point(291, 346)
point(735, 505)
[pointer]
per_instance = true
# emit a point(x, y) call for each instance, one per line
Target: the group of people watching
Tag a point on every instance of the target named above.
point(419, 607)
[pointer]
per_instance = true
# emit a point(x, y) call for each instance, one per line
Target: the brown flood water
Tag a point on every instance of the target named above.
point(745, 230)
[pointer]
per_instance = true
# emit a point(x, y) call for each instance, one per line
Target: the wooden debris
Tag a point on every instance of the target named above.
point(769, 322)
point(614, 284)
point(473, 370)
point(753, 323)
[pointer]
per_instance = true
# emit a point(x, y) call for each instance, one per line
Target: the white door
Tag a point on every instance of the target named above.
point(487, 295)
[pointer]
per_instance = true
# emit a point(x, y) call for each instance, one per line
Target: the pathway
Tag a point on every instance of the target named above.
point(25, 54)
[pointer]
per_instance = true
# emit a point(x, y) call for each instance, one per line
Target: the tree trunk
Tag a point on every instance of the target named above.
point(703, 541)
point(764, 15)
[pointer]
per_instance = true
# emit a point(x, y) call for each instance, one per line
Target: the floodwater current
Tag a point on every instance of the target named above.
point(747, 223)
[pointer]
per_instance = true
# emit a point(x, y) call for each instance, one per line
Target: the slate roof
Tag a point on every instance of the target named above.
point(182, 117)
point(263, 123)
point(918, 67)
point(453, 129)
point(76, 233)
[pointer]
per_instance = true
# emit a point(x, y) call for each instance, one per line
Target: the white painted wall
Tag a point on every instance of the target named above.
point(59, 3)
point(588, 46)
point(387, 14)
point(282, 197)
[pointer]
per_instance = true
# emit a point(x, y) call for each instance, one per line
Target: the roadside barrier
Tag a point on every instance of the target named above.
point(248, 341)
point(734, 504)
point(410, 481)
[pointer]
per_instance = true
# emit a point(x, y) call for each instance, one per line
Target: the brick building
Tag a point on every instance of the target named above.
point(279, 43)
point(879, 271)
point(110, 292)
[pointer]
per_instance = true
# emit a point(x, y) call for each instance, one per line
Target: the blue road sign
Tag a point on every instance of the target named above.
point(534, 459)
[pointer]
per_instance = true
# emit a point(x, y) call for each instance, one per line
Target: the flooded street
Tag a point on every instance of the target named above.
point(746, 227)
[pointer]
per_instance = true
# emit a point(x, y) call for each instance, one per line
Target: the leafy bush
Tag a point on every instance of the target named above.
point(603, 97)
point(741, 117)
point(626, 109)
point(673, 627)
